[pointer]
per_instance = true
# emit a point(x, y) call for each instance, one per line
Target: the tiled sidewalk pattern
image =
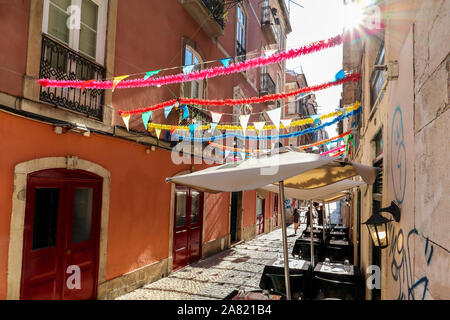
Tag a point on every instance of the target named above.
point(217, 276)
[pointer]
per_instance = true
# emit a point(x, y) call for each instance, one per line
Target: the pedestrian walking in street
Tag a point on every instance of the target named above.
point(296, 219)
point(319, 211)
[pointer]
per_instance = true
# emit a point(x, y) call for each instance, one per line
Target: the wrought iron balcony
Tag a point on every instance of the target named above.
point(267, 85)
point(241, 53)
point(60, 62)
point(269, 24)
point(209, 14)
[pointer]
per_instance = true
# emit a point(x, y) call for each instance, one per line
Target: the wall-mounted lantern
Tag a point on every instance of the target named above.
point(378, 225)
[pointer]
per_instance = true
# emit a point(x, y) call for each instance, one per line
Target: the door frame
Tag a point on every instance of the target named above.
point(172, 222)
point(16, 239)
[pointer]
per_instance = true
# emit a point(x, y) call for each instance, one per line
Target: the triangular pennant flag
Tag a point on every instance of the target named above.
point(213, 126)
point(225, 62)
point(146, 117)
point(151, 73)
point(172, 129)
point(227, 152)
point(158, 132)
point(185, 112)
point(270, 52)
point(85, 83)
point(259, 126)
point(275, 116)
point(286, 123)
point(192, 127)
point(117, 80)
point(167, 110)
point(244, 121)
point(188, 69)
point(216, 117)
point(340, 75)
point(126, 120)
point(316, 118)
point(243, 155)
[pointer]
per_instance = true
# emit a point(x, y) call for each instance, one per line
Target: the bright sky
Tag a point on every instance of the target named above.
point(318, 20)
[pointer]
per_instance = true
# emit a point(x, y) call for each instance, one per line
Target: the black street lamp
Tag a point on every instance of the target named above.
point(378, 225)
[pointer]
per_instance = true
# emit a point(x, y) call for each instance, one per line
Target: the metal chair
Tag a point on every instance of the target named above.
point(337, 254)
point(297, 282)
point(327, 289)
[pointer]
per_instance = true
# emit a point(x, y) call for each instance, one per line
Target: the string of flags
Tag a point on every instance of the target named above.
point(252, 100)
point(258, 126)
point(189, 74)
point(234, 134)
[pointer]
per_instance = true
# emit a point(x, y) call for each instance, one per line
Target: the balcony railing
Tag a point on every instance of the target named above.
point(60, 62)
point(268, 24)
point(209, 14)
point(267, 84)
point(241, 53)
point(217, 10)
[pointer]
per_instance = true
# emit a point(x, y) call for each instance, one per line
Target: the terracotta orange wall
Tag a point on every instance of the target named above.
point(217, 219)
point(13, 44)
point(249, 208)
point(139, 213)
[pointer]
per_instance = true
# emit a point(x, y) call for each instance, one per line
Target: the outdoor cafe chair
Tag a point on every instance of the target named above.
point(297, 281)
point(337, 254)
point(327, 288)
point(304, 249)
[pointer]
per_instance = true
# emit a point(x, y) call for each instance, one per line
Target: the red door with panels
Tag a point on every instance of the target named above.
point(188, 226)
point(61, 235)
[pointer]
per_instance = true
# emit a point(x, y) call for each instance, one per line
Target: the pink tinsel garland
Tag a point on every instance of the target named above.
point(201, 74)
point(253, 100)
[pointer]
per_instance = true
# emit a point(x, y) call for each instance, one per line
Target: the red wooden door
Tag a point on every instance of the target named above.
point(62, 227)
point(188, 222)
point(260, 204)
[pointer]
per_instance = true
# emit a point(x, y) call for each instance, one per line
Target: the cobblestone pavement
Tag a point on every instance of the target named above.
point(218, 275)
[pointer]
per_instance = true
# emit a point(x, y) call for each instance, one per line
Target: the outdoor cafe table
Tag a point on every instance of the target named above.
point(276, 266)
point(301, 241)
point(338, 271)
point(345, 246)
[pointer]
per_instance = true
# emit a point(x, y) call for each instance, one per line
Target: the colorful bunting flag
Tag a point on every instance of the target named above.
point(193, 127)
point(146, 117)
point(259, 126)
point(213, 126)
point(244, 121)
point(275, 116)
point(270, 52)
point(216, 117)
point(316, 118)
point(117, 80)
point(185, 111)
point(227, 152)
point(151, 73)
point(167, 111)
point(172, 129)
point(242, 155)
point(187, 70)
point(286, 122)
point(225, 62)
point(126, 120)
point(158, 132)
point(340, 75)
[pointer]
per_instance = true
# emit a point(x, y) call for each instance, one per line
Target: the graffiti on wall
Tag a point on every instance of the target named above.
point(398, 156)
point(401, 267)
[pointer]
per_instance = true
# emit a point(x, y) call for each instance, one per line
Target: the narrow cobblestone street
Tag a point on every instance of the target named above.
point(218, 275)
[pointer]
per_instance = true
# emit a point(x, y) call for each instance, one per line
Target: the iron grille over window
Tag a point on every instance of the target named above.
point(267, 84)
point(59, 62)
